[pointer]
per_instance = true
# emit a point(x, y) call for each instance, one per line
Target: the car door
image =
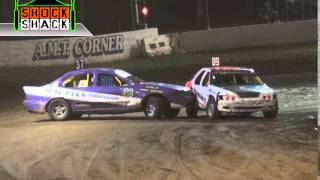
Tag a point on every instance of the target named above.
point(204, 87)
point(199, 90)
point(109, 91)
point(75, 88)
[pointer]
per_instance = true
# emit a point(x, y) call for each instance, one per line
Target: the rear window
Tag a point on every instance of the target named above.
point(78, 81)
point(198, 79)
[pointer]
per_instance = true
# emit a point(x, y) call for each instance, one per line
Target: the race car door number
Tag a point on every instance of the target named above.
point(128, 92)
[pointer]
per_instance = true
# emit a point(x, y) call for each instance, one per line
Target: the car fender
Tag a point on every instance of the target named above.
point(144, 99)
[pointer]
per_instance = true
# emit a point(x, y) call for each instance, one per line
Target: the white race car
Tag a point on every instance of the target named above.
point(225, 89)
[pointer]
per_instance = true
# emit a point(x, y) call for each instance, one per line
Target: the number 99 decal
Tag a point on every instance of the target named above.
point(127, 92)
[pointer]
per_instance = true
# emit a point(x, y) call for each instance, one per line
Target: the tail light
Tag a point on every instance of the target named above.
point(189, 84)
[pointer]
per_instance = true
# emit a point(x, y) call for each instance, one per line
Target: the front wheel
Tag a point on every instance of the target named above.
point(59, 109)
point(212, 110)
point(272, 114)
point(154, 108)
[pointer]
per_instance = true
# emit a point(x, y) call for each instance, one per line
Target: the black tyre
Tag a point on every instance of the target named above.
point(154, 108)
point(59, 109)
point(172, 112)
point(192, 110)
point(212, 110)
point(272, 114)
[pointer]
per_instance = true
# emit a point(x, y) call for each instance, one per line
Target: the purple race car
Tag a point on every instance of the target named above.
point(106, 91)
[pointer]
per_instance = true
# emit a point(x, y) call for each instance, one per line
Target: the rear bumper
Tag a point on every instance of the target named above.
point(246, 105)
point(35, 106)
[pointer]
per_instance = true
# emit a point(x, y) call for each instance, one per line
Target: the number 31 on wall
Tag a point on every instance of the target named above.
point(80, 63)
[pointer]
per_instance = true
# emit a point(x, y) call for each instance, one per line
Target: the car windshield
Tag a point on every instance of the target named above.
point(135, 79)
point(235, 78)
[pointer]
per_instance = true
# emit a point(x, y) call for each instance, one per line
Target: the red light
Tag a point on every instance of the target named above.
point(269, 97)
point(229, 98)
point(189, 84)
point(145, 11)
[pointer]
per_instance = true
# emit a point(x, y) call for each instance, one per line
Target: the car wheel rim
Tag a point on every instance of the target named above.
point(59, 110)
point(151, 109)
point(210, 110)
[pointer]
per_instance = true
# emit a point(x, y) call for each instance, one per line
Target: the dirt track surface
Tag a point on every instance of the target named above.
point(130, 147)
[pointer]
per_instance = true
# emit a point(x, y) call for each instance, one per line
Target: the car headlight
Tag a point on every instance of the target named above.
point(230, 97)
point(267, 96)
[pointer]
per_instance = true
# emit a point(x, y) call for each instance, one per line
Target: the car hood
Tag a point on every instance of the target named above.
point(165, 85)
point(249, 89)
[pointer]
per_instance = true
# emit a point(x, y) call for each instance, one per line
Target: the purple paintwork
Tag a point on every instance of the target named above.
point(105, 99)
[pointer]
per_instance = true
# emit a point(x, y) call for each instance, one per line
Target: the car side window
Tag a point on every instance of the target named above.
point(213, 80)
point(198, 79)
point(205, 80)
point(78, 81)
point(110, 80)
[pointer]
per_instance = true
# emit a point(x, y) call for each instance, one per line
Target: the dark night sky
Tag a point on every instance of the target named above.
point(108, 16)
point(168, 15)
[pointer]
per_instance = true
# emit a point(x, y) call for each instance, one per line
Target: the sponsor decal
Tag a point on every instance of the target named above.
point(79, 95)
point(152, 87)
point(62, 49)
point(202, 100)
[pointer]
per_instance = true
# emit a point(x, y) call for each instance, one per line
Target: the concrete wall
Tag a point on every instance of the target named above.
point(124, 45)
point(247, 36)
point(55, 51)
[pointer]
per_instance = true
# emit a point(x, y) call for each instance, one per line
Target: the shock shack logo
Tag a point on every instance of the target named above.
point(40, 15)
point(44, 18)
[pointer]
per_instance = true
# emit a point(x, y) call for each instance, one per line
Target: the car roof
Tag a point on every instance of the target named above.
point(92, 70)
point(229, 68)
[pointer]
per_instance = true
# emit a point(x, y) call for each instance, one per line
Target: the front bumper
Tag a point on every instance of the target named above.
point(35, 106)
point(246, 105)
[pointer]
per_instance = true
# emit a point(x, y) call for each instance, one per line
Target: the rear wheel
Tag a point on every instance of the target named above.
point(59, 109)
point(192, 110)
point(154, 108)
point(212, 110)
point(172, 112)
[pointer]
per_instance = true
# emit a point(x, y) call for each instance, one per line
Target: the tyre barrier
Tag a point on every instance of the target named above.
point(155, 46)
